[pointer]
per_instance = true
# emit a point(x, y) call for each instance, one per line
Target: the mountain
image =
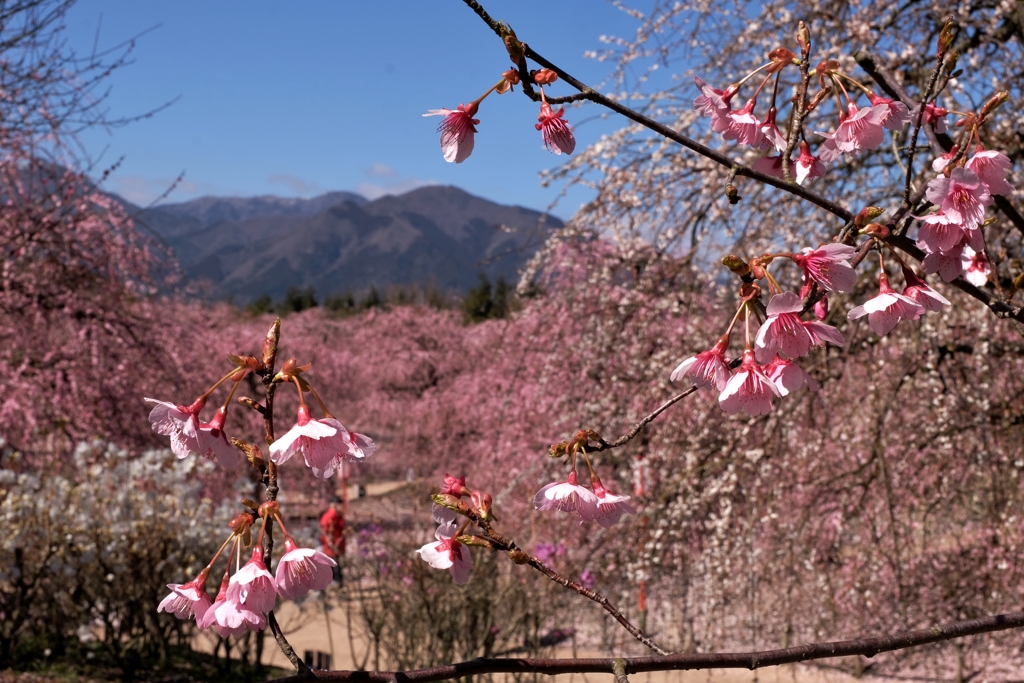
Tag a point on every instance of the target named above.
point(337, 242)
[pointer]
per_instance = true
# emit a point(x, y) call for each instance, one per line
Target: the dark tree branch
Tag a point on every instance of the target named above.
point(866, 647)
point(588, 93)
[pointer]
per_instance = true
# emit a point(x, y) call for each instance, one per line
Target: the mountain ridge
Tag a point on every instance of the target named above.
point(340, 241)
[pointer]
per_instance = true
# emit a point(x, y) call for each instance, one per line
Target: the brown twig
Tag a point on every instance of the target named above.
point(867, 647)
point(518, 556)
point(926, 95)
point(269, 358)
point(631, 434)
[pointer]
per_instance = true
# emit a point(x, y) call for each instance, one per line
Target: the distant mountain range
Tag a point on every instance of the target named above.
point(339, 241)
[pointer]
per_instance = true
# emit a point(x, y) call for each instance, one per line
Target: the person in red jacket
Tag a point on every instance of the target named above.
point(332, 526)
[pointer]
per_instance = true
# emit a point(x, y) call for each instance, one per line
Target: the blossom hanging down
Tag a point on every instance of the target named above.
point(750, 389)
point(784, 332)
point(887, 308)
point(895, 114)
point(991, 167)
point(213, 442)
point(920, 292)
point(789, 377)
point(178, 422)
point(302, 570)
point(610, 507)
point(252, 586)
point(447, 552)
point(707, 369)
point(187, 600)
point(301, 438)
point(227, 618)
point(976, 266)
point(457, 130)
point(557, 132)
point(568, 496)
point(326, 455)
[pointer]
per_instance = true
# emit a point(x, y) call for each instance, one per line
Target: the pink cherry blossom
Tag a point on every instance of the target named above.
point(448, 553)
point(213, 442)
point(939, 232)
point(947, 264)
point(887, 308)
point(828, 265)
point(933, 116)
point(457, 130)
point(962, 197)
point(179, 423)
point(302, 570)
point(707, 369)
point(567, 496)
point(741, 125)
point(557, 132)
point(302, 436)
point(252, 586)
point(784, 332)
point(808, 167)
point(455, 486)
point(920, 292)
point(610, 507)
point(940, 163)
point(991, 167)
point(187, 599)
point(750, 389)
point(861, 129)
point(821, 308)
point(772, 135)
point(228, 619)
point(976, 266)
point(712, 101)
point(896, 114)
point(789, 377)
point(325, 455)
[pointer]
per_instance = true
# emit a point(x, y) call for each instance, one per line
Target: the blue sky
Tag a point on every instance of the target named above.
point(300, 98)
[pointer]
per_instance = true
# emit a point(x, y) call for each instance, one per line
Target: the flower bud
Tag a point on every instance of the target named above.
point(994, 102)
point(821, 308)
point(516, 49)
point(270, 342)
point(948, 34)
point(240, 523)
point(557, 450)
point(252, 453)
point(803, 38)
point(876, 230)
point(518, 556)
point(732, 194)
point(736, 265)
point(482, 503)
point(867, 214)
point(474, 540)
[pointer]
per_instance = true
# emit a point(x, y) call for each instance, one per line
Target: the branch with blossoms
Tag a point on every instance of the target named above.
point(248, 593)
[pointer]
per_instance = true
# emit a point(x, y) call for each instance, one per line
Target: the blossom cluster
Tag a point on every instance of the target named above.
point(247, 595)
point(458, 127)
point(324, 443)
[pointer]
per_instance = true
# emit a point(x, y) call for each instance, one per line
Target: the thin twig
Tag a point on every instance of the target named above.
point(917, 127)
point(631, 434)
point(520, 557)
point(867, 647)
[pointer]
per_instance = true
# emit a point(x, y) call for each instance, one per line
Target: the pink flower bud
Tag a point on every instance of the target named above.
point(821, 308)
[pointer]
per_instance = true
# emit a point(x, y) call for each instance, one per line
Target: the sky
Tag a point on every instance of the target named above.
point(301, 98)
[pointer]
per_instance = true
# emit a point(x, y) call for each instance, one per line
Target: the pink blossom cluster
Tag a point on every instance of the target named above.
point(768, 369)
point(245, 596)
point(324, 444)
point(458, 127)
point(951, 237)
point(598, 505)
point(857, 129)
